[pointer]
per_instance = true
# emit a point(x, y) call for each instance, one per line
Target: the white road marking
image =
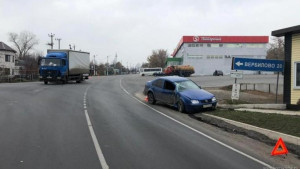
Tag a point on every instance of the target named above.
point(94, 138)
point(203, 134)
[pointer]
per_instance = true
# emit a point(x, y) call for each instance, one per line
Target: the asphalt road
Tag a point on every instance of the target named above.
point(45, 126)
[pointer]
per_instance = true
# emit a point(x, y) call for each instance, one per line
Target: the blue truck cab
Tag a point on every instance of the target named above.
point(64, 65)
point(54, 67)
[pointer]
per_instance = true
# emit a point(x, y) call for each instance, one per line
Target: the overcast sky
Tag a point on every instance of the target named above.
point(133, 28)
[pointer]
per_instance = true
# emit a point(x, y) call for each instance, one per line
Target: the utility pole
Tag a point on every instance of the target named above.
point(70, 45)
point(94, 66)
point(107, 67)
point(58, 39)
point(51, 36)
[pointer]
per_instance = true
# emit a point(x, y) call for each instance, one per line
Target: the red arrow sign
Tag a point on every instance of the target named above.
point(283, 148)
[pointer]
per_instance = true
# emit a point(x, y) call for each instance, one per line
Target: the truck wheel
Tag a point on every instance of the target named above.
point(45, 82)
point(65, 80)
point(78, 81)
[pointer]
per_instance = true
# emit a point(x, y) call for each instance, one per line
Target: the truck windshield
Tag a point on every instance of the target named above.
point(186, 85)
point(51, 62)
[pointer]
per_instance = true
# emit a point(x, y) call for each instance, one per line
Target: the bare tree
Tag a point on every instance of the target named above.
point(145, 65)
point(276, 49)
point(23, 42)
point(158, 58)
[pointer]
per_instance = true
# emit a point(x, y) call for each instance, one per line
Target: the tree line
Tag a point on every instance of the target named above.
point(158, 58)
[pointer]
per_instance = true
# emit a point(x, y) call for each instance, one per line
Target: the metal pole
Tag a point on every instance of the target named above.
point(235, 79)
point(94, 66)
point(51, 36)
point(58, 39)
point(107, 67)
point(277, 87)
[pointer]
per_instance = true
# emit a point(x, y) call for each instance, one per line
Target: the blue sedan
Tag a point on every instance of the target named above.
point(179, 92)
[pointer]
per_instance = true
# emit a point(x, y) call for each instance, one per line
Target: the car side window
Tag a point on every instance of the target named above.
point(169, 85)
point(158, 83)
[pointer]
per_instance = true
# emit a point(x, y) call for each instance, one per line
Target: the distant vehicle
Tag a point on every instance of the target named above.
point(218, 73)
point(179, 92)
point(64, 66)
point(159, 74)
point(150, 71)
point(179, 70)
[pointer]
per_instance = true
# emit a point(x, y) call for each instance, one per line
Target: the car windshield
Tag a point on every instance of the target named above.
point(186, 85)
point(50, 62)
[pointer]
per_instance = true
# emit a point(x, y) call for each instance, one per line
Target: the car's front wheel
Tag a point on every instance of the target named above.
point(151, 98)
point(181, 106)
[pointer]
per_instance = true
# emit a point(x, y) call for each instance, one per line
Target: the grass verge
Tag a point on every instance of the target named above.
point(282, 123)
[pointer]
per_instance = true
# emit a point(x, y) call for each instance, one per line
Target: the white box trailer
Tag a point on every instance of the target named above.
point(79, 62)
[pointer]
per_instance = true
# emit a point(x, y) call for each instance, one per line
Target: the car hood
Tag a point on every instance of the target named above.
point(197, 94)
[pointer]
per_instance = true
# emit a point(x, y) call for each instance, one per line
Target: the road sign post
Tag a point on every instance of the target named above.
point(259, 65)
point(235, 94)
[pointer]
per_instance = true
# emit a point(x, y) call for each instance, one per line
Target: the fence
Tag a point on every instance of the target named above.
point(263, 87)
point(20, 76)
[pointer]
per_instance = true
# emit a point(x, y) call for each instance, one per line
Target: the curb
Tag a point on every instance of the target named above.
point(286, 112)
point(264, 135)
point(254, 106)
point(270, 133)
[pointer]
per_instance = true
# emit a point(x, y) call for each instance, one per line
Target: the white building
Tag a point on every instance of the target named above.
point(7, 59)
point(209, 53)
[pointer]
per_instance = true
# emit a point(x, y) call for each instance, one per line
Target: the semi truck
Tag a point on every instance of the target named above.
point(179, 70)
point(64, 65)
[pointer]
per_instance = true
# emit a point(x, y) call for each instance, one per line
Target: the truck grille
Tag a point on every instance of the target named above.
point(49, 72)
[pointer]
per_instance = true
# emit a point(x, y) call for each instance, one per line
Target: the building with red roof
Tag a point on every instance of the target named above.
point(209, 53)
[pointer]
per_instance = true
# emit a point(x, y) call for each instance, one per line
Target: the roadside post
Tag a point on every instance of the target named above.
point(236, 87)
point(259, 65)
point(235, 94)
point(277, 87)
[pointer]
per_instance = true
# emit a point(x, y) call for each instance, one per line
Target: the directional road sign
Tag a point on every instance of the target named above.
point(257, 64)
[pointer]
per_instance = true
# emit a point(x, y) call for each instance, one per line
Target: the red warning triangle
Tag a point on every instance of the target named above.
point(283, 149)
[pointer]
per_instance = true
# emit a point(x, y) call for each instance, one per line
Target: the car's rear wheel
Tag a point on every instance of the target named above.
point(151, 98)
point(181, 106)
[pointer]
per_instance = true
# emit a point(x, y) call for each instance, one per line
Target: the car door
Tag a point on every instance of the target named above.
point(157, 87)
point(168, 93)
